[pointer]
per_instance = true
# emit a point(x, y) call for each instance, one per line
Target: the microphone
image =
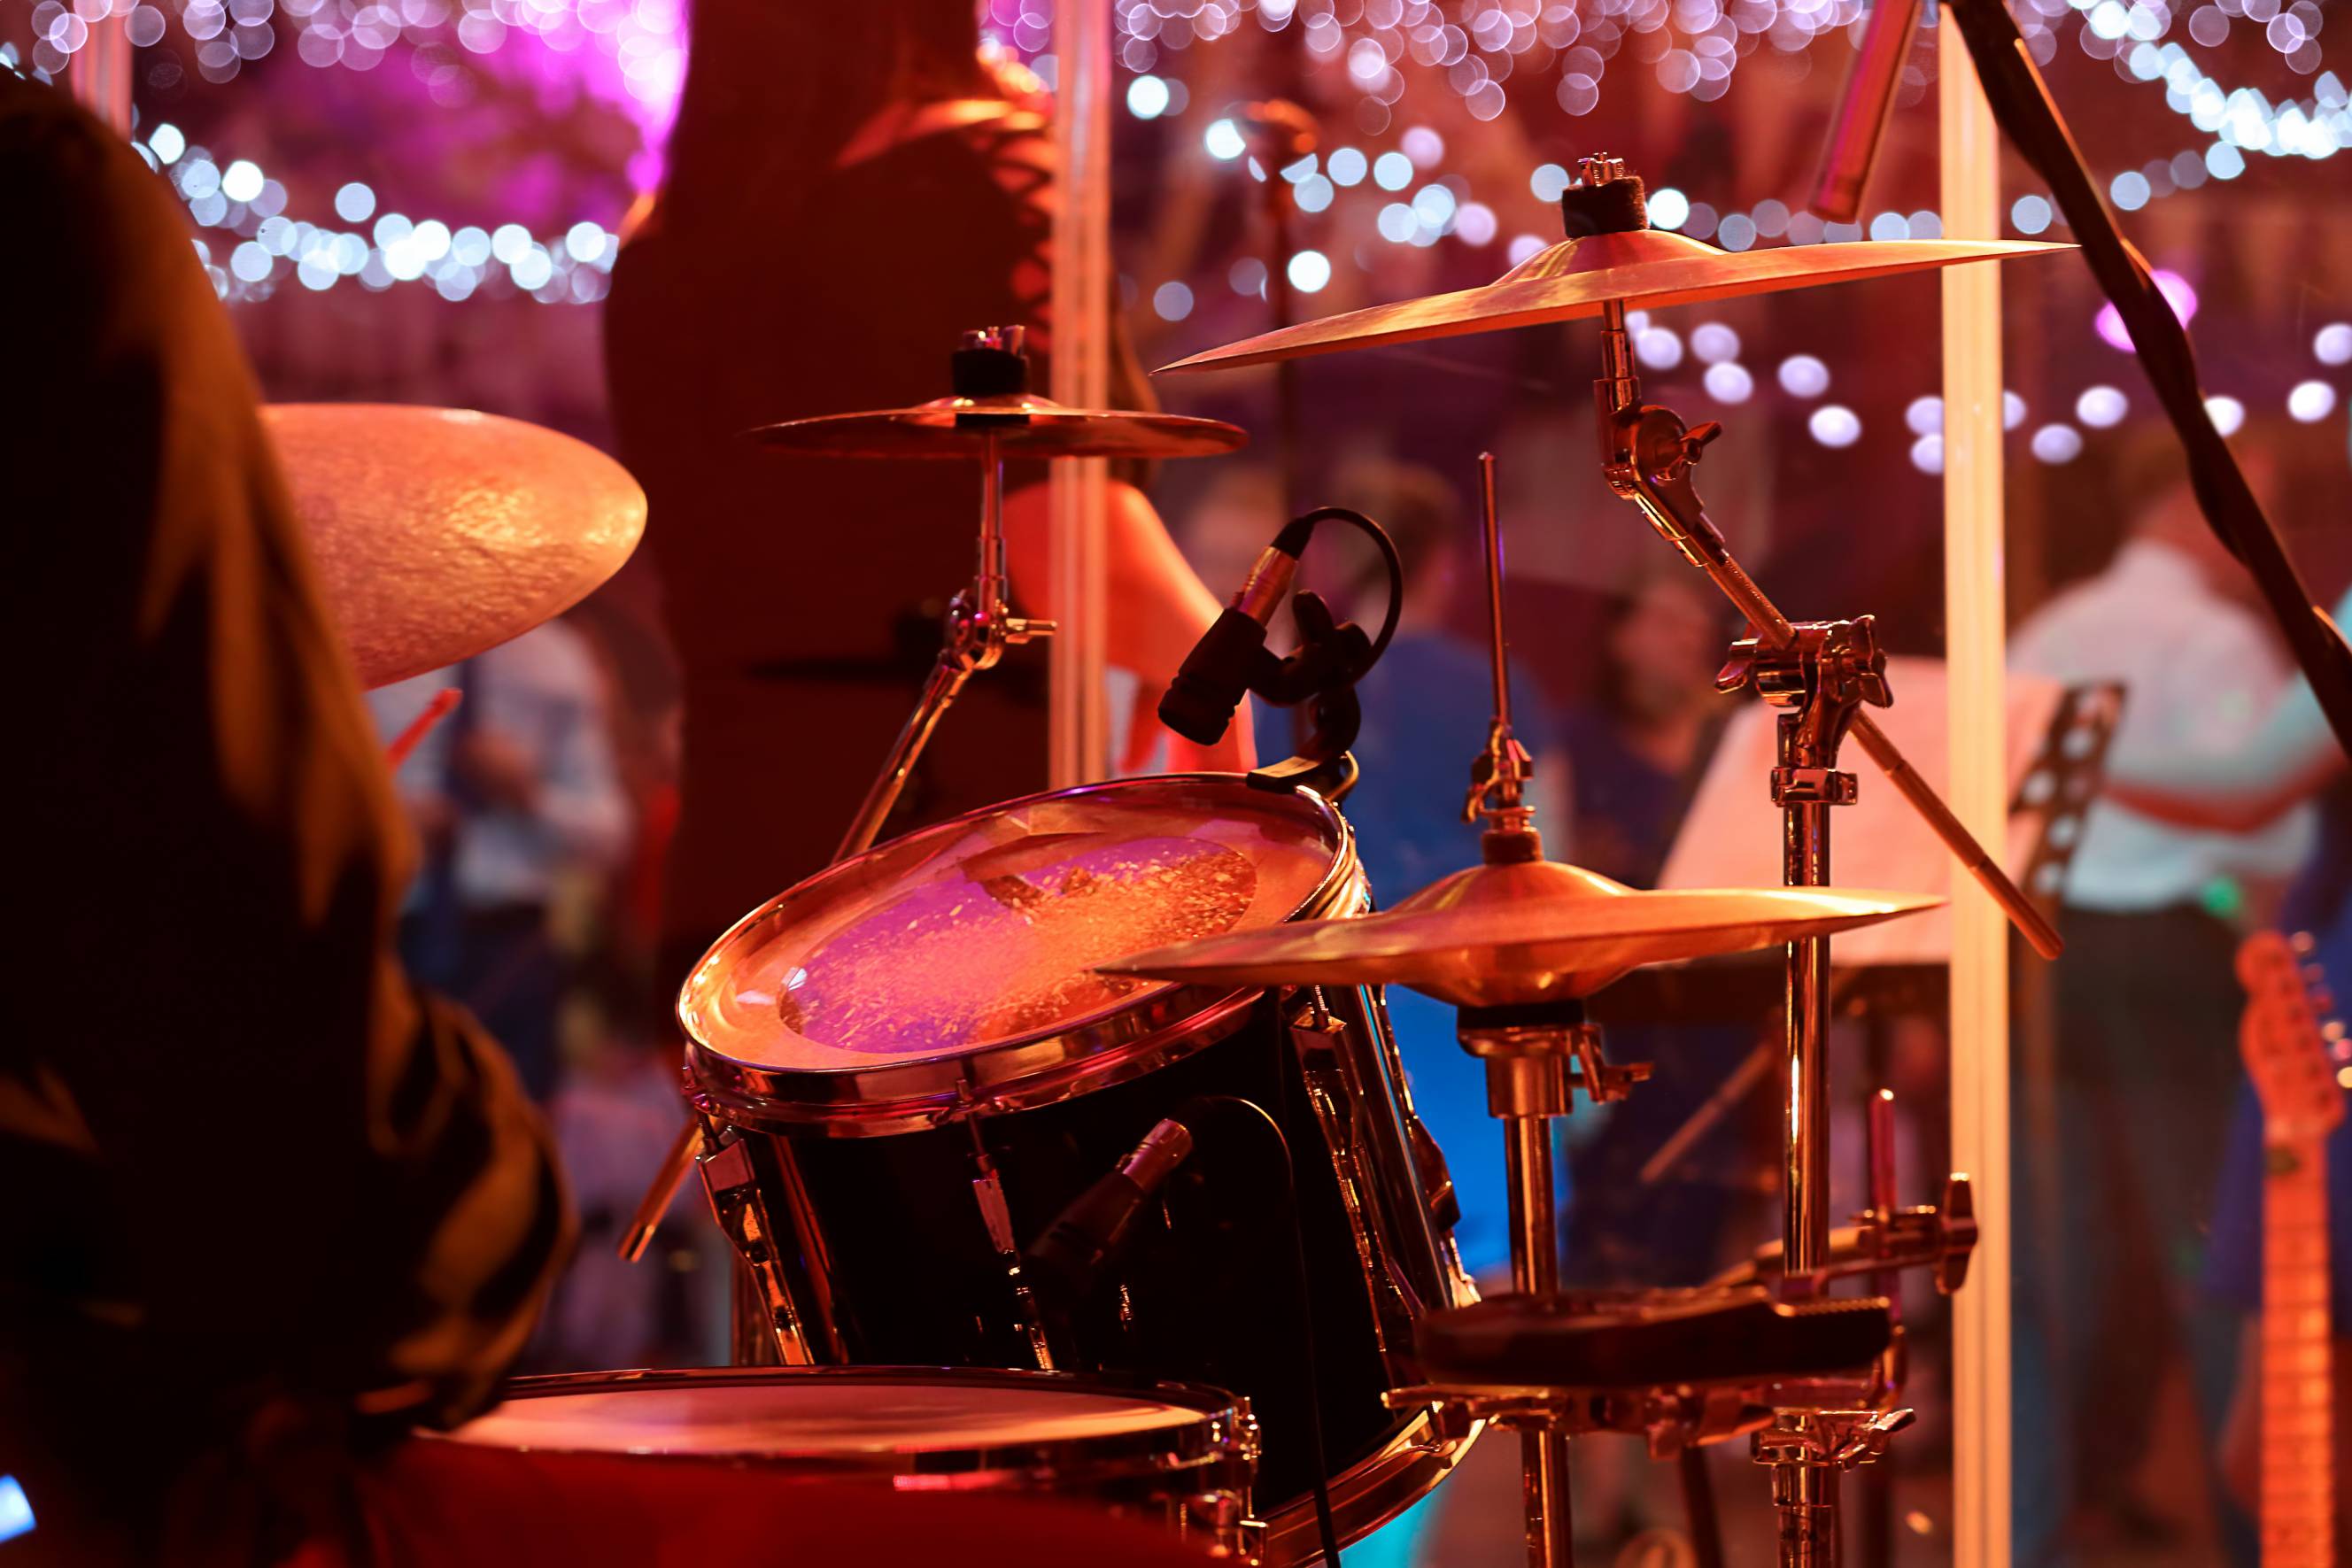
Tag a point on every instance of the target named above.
point(1860, 125)
point(1092, 1231)
point(1231, 656)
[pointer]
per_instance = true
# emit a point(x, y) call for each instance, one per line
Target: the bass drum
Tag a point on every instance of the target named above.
point(908, 1068)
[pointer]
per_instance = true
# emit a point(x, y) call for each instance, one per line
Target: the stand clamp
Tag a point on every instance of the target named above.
point(1818, 680)
point(1806, 1449)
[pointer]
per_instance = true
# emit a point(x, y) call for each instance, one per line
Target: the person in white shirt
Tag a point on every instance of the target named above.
point(512, 792)
point(2145, 1005)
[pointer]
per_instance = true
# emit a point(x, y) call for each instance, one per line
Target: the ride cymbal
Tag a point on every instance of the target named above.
point(1533, 931)
point(1022, 424)
point(441, 532)
point(1644, 269)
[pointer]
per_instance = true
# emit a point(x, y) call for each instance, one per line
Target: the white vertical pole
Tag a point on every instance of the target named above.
point(1975, 616)
point(1081, 359)
point(100, 71)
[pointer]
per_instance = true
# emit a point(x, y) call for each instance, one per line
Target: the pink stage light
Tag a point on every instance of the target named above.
point(2177, 293)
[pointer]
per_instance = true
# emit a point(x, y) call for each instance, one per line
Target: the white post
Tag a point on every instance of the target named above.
point(100, 71)
point(1080, 346)
point(1975, 630)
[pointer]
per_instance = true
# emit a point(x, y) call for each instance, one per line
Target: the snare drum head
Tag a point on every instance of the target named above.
point(985, 930)
point(830, 1416)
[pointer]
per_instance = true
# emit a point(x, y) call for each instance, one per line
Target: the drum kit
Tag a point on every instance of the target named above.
point(1065, 1144)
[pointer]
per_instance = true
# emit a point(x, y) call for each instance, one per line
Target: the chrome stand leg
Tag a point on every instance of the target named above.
point(1527, 1093)
point(939, 693)
point(1543, 1459)
point(980, 626)
point(1806, 1495)
point(1805, 1146)
point(1535, 1243)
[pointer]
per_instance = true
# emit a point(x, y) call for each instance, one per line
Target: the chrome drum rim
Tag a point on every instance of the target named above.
point(1221, 1432)
point(1136, 1035)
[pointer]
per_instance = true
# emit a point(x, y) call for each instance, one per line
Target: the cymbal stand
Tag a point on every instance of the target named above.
point(1535, 1057)
point(1819, 675)
point(979, 625)
point(977, 628)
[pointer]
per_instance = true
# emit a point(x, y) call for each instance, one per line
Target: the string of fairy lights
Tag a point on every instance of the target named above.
point(258, 249)
point(633, 52)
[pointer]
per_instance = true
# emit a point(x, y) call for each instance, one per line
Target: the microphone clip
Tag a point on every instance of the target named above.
point(1332, 656)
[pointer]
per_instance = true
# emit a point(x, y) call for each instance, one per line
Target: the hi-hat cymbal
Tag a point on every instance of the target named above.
point(1644, 269)
point(1535, 931)
point(1022, 424)
point(442, 532)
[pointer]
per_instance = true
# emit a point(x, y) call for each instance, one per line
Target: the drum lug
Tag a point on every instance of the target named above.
point(1318, 1038)
point(1221, 1521)
point(1429, 1202)
point(740, 1207)
point(1223, 1515)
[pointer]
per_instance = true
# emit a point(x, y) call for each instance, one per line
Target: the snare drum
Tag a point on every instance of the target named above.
point(908, 1068)
point(1167, 1454)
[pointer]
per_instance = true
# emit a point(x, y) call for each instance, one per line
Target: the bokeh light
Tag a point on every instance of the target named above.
point(2102, 407)
point(1802, 375)
point(2177, 293)
point(2310, 402)
point(1658, 347)
point(2057, 443)
point(1714, 342)
point(1309, 270)
point(1146, 97)
point(1729, 382)
point(1834, 425)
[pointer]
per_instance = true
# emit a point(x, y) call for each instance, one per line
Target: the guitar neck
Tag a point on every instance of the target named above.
point(2298, 1450)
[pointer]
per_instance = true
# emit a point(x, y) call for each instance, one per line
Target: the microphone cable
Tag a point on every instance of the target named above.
point(1326, 1528)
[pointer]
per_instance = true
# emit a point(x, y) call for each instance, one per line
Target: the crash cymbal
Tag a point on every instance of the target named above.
point(1022, 424)
point(1644, 269)
point(441, 532)
point(1534, 931)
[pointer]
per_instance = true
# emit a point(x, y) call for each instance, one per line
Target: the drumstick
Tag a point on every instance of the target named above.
point(408, 739)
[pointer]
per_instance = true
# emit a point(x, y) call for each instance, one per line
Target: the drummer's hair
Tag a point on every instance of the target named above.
point(776, 88)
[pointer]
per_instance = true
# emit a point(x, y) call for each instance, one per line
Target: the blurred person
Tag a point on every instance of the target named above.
point(513, 795)
point(2291, 757)
point(614, 1119)
point(2145, 1005)
point(1636, 753)
point(1637, 750)
point(269, 1204)
point(2294, 756)
point(849, 188)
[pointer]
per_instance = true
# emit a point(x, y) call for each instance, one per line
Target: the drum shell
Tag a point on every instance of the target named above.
point(853, 1196)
